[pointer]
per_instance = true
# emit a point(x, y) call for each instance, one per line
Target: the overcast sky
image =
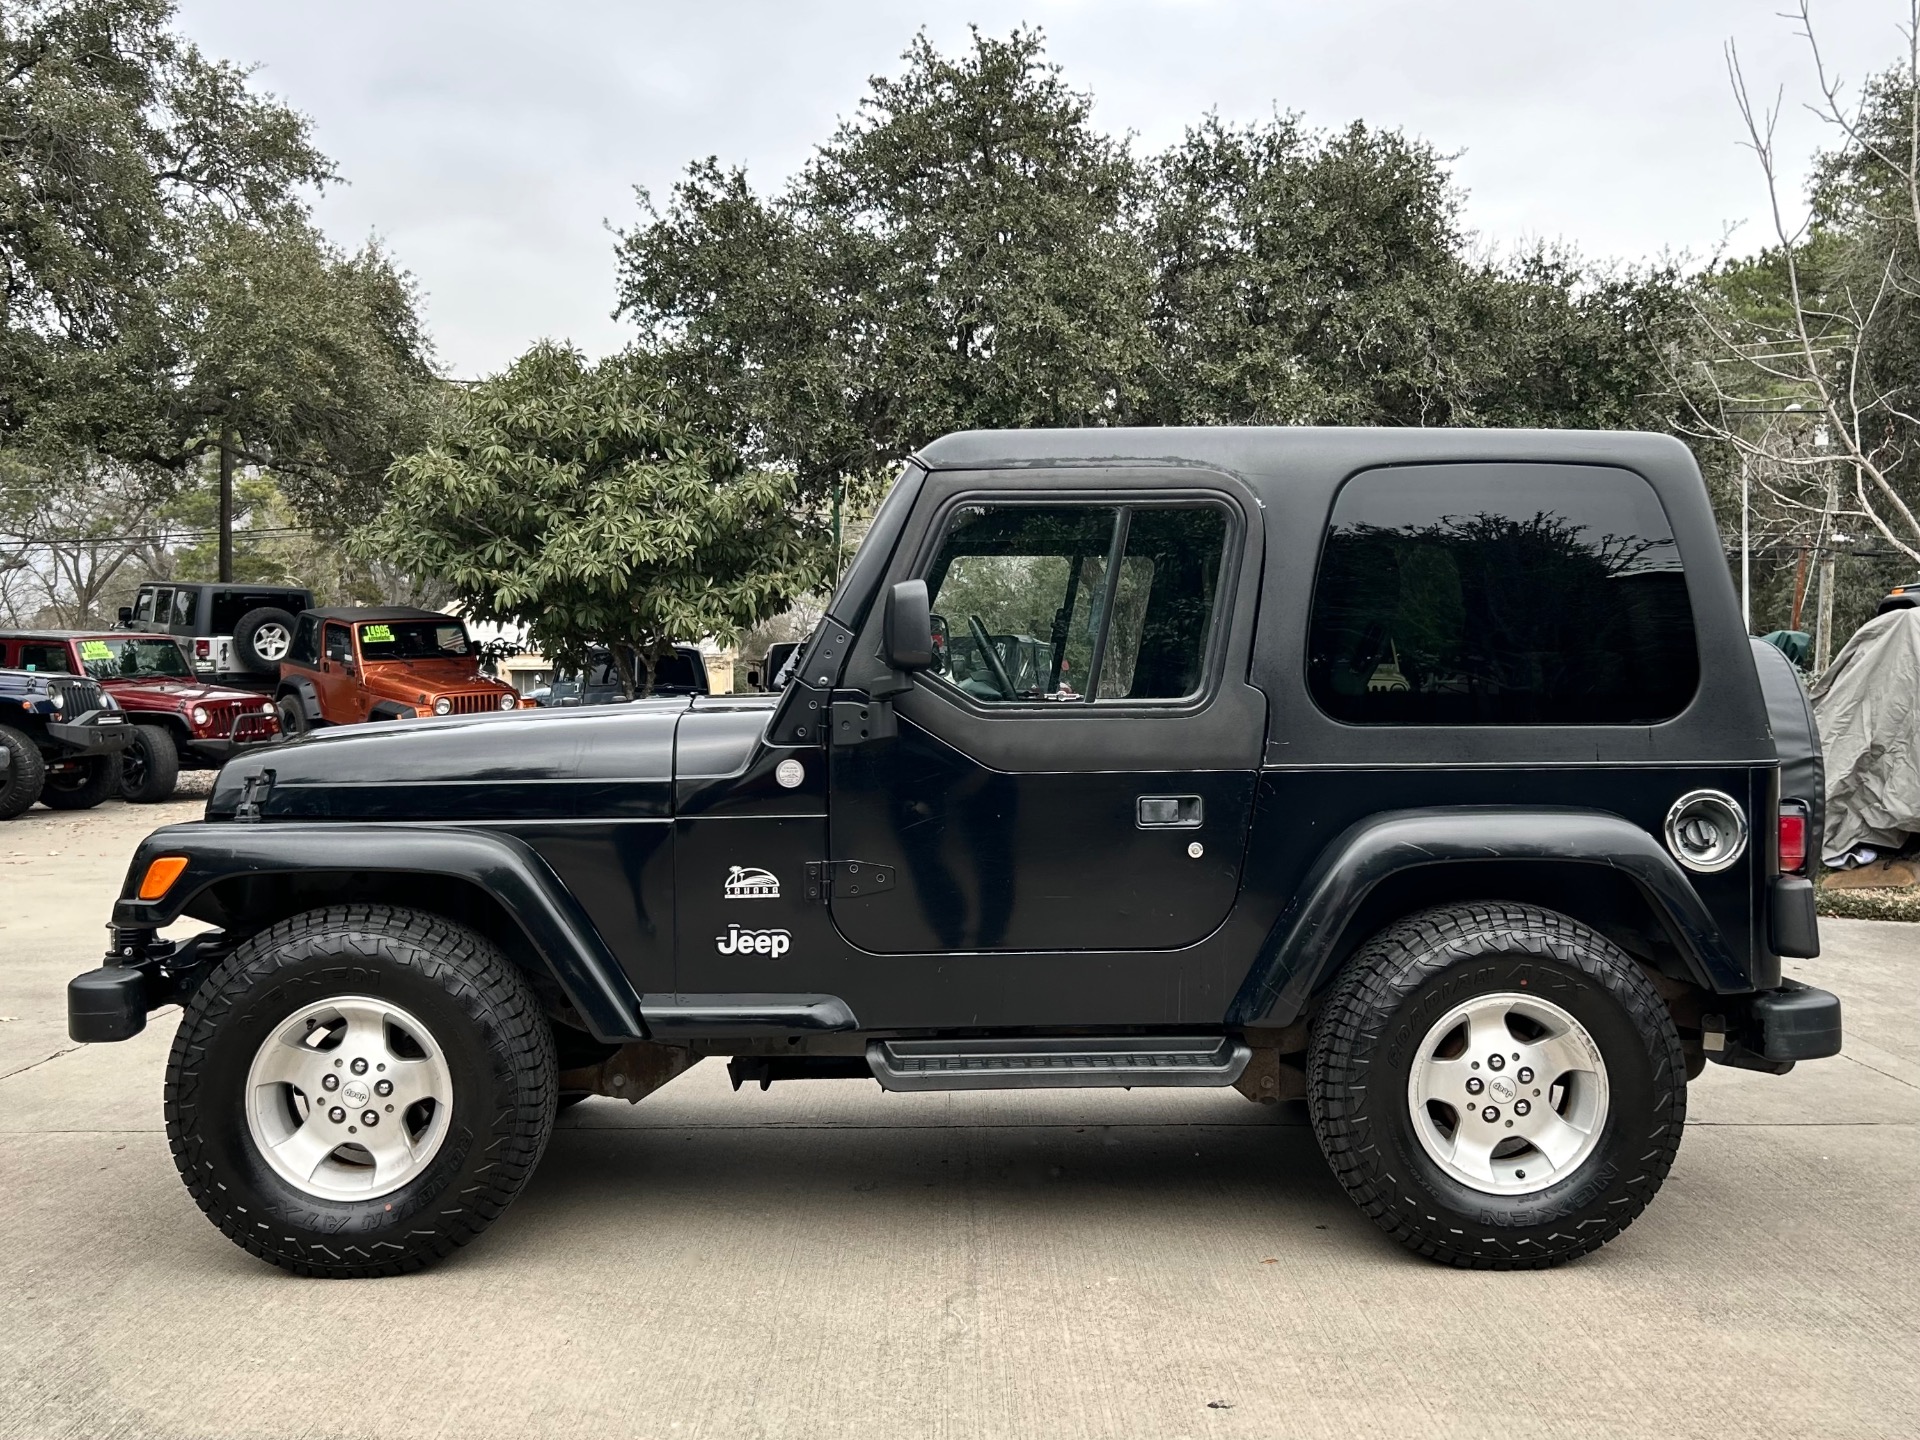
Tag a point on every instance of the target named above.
point(490, 143)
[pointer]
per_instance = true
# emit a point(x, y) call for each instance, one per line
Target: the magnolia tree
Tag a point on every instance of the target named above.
point(578, 499)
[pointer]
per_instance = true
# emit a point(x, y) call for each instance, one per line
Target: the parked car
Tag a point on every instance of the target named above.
point(178, 721)
point(684, 672)
point(1900, 597)
point(61, 737)
point(236, 634)
point(391, 662)
point(1344, 813)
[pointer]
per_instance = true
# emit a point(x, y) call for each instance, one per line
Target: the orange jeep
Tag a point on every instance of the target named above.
point(389, 663)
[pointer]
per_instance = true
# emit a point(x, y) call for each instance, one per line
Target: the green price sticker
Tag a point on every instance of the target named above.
point(95, 650)
point(376, 633)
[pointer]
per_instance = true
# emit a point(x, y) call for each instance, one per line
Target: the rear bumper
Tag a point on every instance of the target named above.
point(1772, 1029)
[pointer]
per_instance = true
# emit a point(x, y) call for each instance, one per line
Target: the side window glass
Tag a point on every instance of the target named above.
point(1029, 606)
point(185, 603)
point(143, 605)
point(163, 607)
point(50, 659)
point(337, 646)
point(305, 649)
point(1017, 587)
point(1501, 595)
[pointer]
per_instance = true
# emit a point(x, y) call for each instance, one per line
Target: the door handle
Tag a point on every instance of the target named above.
point(1169, 812)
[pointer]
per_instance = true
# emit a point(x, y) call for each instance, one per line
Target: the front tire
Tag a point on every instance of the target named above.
point(149, 766)
point(26, 772)
point(1417, 1097)
point(84, 785)
point(330, 1017)
point(293, 715)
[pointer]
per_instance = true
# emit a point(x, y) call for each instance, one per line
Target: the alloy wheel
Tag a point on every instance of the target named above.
point(1508, 1093)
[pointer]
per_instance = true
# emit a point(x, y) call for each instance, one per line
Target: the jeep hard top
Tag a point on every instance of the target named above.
point(1426, 776)
point(237, 634)
point(388, 662)
point(178, 721)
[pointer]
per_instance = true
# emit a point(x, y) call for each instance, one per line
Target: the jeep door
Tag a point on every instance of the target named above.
point(338, 682)
point(1076, 772)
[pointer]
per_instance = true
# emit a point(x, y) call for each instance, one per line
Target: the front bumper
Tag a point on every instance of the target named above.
point(141, 975)
point(98, 732)
point(1772, 1029)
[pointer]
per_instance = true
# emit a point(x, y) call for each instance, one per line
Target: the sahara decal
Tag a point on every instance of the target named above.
point(753, 942)
point(747, 882)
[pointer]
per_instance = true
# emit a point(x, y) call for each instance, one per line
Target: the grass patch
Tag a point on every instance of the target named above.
point(1870, 904)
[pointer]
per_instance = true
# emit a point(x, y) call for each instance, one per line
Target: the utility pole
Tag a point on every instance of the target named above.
point(226, 503)
point(1823, 633)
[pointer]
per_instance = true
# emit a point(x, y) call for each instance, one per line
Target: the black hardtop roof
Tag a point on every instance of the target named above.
point(243, 585)
point(1267, 454)
point(360, 614)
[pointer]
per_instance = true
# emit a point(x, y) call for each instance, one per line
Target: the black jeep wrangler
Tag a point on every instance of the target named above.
point(1426, 776)
point(61, 739)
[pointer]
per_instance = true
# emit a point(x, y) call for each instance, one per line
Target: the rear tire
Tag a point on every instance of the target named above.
point(293, 715)
point(1573, 1045)
point(435, 1012)
point(150, 766)
point(20, 782)
point(262, 638)
point(94, 779)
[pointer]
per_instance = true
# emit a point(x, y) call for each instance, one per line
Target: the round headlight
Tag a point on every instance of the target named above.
point(200, 716)
point(267, 708)
point(509, 702)
point(443, 706)
point(1706, 830)
point(56, 701)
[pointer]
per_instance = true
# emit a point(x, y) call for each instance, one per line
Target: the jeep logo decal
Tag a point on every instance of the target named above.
point(753, 942)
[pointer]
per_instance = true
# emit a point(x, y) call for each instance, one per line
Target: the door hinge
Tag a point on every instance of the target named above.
point(854, 722)
point(846, 879)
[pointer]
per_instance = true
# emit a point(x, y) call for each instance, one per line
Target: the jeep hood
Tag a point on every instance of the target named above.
point(611, 761)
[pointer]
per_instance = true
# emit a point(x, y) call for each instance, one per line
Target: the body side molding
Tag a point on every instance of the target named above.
point(506, 868)
point(1295, 958)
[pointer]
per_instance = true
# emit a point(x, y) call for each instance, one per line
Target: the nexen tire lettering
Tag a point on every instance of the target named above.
point(753, 942)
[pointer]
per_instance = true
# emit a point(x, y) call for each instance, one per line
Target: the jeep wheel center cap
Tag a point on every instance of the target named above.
point(1500, 1090)
point(355, 1092)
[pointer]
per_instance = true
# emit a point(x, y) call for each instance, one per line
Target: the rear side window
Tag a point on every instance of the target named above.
point(1501, 595)
point(305, 649)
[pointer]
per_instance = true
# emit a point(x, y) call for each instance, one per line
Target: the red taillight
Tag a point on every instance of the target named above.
point(203, 649)
point(1793, 838)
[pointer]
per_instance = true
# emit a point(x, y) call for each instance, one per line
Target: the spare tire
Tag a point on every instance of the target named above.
point(262, 638)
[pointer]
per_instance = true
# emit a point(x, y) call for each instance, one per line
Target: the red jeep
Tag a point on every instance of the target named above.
point(179, 723)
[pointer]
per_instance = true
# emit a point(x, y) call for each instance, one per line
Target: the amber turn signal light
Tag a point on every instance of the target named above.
point(160, 876)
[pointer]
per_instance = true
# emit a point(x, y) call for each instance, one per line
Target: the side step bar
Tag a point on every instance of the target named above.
point(1060, 1064)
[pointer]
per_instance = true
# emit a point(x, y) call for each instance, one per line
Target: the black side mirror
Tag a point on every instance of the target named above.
point(126, 614)
point(909, 626)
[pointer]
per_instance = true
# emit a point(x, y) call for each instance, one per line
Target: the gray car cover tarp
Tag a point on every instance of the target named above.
point(1868, 708)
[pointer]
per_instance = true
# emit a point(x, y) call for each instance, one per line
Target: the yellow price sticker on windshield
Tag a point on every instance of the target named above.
point(95, 650)
point(376, 633)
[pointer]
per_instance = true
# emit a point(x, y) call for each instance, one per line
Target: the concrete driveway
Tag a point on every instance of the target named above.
point(824, 1259)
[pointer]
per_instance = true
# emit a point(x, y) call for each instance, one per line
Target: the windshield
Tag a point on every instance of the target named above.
point(117, 658)
point(412, 639)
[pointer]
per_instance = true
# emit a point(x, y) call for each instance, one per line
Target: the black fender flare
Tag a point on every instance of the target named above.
point(303, 690)
point(1299, 951)
point(508, 869)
